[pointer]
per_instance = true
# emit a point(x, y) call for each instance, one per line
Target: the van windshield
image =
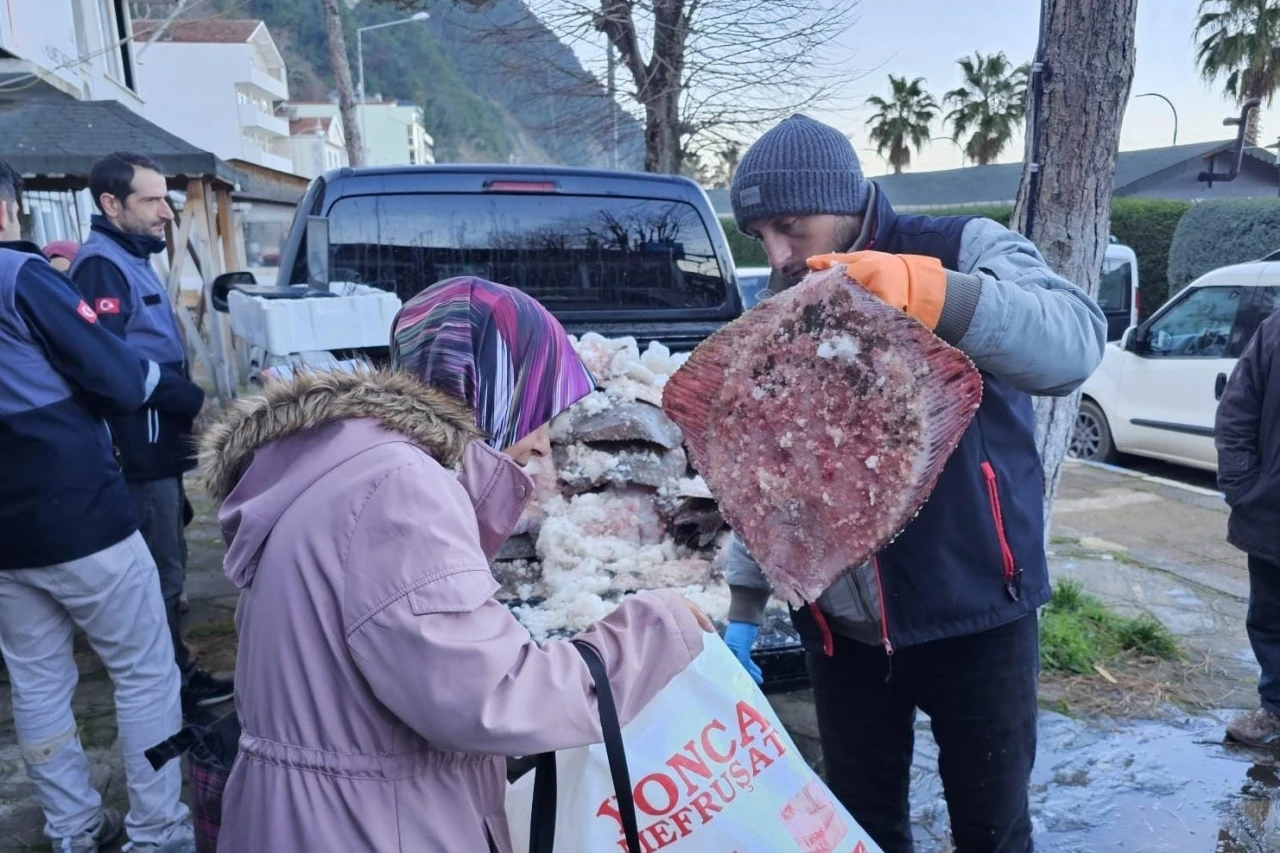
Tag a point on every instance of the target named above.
point(572, 253)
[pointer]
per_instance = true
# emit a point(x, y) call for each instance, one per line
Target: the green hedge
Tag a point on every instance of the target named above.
point(746, 252)
point(1147, 226)
point(1218, 233)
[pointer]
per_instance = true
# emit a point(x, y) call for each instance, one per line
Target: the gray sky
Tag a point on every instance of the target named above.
point(924, 38)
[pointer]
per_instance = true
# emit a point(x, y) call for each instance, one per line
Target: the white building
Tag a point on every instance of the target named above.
point(218, 83)
point(319, 145)
point(69, 48)
point(77, 47)
point(393, 133)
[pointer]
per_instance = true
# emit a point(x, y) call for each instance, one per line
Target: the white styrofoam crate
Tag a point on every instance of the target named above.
point(285, 326)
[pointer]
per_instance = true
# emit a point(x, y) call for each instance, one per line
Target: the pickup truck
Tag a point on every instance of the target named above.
point(622, 254)
point(617, 253)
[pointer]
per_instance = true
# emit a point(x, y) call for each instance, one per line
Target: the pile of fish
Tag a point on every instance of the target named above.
point(617, 507)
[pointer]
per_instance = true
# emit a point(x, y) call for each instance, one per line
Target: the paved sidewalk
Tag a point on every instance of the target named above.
point(1177, 528)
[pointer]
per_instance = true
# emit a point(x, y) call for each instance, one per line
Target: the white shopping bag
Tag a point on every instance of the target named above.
point(712, 771)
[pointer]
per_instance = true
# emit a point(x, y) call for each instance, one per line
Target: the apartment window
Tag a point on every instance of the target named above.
point(114, 20)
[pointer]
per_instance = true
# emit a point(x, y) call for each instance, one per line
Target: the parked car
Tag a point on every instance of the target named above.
point(1156, 392)
point(752, 282)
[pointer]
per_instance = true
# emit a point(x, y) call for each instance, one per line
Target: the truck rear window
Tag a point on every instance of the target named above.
point(572, 253)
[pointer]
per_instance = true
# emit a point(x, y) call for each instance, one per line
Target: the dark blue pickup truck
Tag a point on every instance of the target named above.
point(618, 253)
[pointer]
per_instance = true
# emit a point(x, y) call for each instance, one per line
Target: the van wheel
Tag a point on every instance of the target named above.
point(1091, 437)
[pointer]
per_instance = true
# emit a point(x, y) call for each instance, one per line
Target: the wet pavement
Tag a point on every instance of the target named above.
point(1165, 783)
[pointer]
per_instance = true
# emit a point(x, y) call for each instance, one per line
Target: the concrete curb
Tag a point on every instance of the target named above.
point(1138, 475)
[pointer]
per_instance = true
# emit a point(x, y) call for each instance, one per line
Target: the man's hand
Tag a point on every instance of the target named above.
point(912, 283)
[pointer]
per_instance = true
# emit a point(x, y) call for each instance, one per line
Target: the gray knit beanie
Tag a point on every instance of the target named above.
point(800, 167)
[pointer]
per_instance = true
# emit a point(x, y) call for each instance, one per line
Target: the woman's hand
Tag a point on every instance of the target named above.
point(704, 621)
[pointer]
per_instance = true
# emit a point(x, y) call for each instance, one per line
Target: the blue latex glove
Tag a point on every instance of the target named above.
point(740, 637)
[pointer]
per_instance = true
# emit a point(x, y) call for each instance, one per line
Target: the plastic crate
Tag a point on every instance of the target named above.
point(315, 323)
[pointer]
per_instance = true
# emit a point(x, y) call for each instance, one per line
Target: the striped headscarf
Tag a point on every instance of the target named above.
point(496, 348)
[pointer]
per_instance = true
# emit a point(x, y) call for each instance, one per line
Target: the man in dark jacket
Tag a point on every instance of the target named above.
point(944, 619)
point(1247, 435)
point(113, 271)
point(71, 555)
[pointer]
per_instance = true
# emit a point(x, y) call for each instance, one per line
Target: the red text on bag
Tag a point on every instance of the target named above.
point(697, 782)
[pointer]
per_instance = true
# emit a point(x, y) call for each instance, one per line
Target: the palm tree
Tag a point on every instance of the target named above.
point(1240, 39)
point(902, 122)
point(989, 107)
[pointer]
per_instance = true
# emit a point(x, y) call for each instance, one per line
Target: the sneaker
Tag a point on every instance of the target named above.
point(110, 827)
point(182, 840)
point(203, 689)
point(184, 845)
point(1257, 728)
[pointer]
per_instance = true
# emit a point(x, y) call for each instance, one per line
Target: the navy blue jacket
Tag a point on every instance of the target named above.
point(114, 274)
point(1247, 435)
point(974, 558)
point(62, 496)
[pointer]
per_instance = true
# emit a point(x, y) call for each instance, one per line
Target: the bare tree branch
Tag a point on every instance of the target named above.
point(701, 72)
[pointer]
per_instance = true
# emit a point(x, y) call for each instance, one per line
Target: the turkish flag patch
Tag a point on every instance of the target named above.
point(107, 306)
point(86, 312)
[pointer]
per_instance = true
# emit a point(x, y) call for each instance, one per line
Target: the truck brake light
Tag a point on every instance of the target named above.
point(521, 186)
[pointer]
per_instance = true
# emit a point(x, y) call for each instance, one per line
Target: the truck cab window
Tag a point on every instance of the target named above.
point(610, 254)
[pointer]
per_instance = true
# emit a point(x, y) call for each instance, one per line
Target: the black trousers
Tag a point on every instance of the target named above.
point(980, 694)
point(1263, 624)
point(159, 504)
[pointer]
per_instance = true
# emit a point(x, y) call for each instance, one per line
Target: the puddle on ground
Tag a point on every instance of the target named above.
point(1152, 787)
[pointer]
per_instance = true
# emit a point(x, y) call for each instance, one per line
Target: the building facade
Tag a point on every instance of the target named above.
point(393, 133)
point(319, 145)
point(76, 49)
point(218, 83)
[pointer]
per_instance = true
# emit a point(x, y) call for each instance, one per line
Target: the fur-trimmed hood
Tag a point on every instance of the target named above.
point(266, 451)
point(437, 422)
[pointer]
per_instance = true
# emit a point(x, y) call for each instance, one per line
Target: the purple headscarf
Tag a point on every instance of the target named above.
point(496, 348)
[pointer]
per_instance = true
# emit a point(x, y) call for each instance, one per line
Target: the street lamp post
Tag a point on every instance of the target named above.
point(417, 16)
point(1171, 106)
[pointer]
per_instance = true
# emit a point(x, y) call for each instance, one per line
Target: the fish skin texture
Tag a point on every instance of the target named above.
point(821, 420)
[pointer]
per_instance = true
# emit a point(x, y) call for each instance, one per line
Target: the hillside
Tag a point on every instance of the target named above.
point(486, 96)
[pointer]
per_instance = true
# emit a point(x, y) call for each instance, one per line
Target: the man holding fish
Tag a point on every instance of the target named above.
point(944, 618)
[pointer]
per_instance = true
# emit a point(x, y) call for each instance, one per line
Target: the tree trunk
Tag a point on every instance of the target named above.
point(1253, 128)
point(662, 151)
point(342, 76)
point(1087, 51)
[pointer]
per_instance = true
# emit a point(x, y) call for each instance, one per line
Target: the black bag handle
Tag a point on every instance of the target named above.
point(543, 820)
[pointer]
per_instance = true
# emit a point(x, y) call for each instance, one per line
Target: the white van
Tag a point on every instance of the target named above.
point(1156, 392)
point(1118, 289)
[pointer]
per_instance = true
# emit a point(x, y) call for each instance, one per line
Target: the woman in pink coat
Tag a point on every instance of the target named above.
point(379, 683)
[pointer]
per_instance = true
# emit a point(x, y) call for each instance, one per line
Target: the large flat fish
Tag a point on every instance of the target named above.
point(821, 420)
